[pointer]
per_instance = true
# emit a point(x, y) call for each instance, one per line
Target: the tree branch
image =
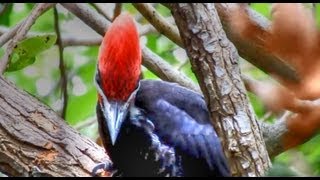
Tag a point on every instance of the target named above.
point(3, 8)
point(159, 22)
point(88, 16)
point(63, 75)
point(100, 10)
point(38, 10)
point(117, 10)
point(214, 62)
point(75, 41)
point(9, 34)
point(66, 40)
point(35, 141)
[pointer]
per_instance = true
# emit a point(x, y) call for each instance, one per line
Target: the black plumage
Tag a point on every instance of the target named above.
point(166, 133)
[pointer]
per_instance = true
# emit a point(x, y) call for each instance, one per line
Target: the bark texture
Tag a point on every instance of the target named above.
point(214, 60)
point(35, 141)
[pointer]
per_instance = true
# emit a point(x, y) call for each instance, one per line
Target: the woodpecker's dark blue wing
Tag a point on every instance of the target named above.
point(181, 120)
point(183, 98)
point(177, 128)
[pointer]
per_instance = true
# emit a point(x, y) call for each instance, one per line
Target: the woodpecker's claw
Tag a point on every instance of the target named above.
point(103, 169)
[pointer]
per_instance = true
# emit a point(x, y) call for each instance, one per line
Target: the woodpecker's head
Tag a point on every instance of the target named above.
point(118, 72)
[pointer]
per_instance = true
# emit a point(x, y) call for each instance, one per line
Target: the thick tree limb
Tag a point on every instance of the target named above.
point(35, 141)
point(214, 61)
point(38, 10)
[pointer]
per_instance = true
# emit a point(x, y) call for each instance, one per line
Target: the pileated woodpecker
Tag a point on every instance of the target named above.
point(150, 127)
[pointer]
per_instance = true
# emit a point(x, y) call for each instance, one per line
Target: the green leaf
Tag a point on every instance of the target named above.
point(25, 52)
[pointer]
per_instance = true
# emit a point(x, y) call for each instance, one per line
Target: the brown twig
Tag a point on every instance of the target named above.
point(66, 40)
point(3, 8)
point(100, 10)
point(74, 41)
point(94, 20)
point(62, 68)
point(159, 22)
point(37, 11)
point(9, 34)
point(117, 10)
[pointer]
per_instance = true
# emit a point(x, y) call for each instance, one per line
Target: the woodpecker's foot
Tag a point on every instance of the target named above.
point(103, 170)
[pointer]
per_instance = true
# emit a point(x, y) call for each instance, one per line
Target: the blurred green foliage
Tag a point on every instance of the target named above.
point(42, 78)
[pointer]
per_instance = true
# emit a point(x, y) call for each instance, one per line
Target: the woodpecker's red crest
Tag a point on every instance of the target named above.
point(120, 59)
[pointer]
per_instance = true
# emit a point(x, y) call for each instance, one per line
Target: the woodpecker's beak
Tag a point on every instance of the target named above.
point(114, 113)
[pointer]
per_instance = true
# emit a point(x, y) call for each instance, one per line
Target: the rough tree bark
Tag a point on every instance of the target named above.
point(35, 141)
point(214, 60)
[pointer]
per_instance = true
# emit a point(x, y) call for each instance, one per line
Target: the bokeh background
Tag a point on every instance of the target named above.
point(42, 78)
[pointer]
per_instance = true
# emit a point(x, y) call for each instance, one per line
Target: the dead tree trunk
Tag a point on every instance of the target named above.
point(214, 61)
point(35, 141)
